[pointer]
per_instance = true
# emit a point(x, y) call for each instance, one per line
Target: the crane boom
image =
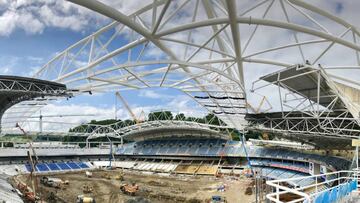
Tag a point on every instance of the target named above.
point(31, 160)
point(126, 105)
point(61, 115)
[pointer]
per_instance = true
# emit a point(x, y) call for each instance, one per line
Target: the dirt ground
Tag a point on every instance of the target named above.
point(154, 188)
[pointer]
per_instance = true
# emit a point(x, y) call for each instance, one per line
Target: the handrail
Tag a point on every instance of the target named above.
point(342, 178)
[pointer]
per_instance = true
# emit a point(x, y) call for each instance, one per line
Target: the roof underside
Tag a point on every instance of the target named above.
point(173, 132)
point(320, 140)
point(14, 89)
point(304, 81)
point(322, 112)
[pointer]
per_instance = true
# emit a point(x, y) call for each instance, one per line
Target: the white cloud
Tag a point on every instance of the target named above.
point(53, 19)
point(153, 94)
point(68, 16)
point(34, 16)
point(16, 65)
point(64, 123)
point(8, 23)
point(178, 104)
point(8, 63)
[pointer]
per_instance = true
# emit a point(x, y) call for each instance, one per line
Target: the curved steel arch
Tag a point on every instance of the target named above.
point(210, 66)
point(143, 129)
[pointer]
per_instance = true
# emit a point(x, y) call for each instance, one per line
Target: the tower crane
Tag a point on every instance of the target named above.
point(40, 116)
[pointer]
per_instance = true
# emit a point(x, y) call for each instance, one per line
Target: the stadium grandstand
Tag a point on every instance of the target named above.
point(279, 96)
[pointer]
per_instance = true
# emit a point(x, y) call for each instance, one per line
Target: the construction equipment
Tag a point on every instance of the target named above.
point(84, 199)
point(106, 176)
point(88, 174)
point(129, 189)
point(29, 193)
point(218, 199)
point(126, 105)
point(120, 176)
point(53, 182)
point(88, 189)
point(40, 116)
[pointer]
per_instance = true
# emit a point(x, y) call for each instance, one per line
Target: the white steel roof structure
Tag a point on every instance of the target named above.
point(210, 50)
point(319, 108)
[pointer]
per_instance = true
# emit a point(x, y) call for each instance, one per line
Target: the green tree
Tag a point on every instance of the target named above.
point(213, 120)
point(129, 122)
point(180, 117)
point(252, 135)
point(160, 115)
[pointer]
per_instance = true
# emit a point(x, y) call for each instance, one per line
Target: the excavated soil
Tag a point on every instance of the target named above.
point(154, 188)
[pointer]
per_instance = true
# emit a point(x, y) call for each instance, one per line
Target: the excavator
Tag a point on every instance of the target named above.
point(129, 189)
point(84, 199)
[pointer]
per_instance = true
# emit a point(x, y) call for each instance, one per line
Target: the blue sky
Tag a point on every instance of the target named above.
point(22, 53)
point(33, 32)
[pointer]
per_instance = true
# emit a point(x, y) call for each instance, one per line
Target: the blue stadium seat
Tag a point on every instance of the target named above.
point(121, 150)
point(53, 166)
point(147, 149)
point(184, 147)
point(42, 167)
point(172, 150)
point(73, 165)
point(214, 151)
point(28, 167)
point(163, 150)
point(82, 165)
point(63, 166)
point(229, 148)
point(129, 150)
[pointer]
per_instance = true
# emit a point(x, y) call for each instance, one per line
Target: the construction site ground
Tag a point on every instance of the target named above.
point(154, 188)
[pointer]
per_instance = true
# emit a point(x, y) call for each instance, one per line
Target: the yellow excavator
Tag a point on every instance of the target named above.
point(84, 199)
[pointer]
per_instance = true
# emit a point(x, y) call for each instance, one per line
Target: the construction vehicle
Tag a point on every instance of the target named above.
point(26, 192)
point(84, 199)
point(129, 189)
point(88, 174)
point(120, 177)
point(218, 199)
point(87, 189)
point(106, 176)
point(53, 182)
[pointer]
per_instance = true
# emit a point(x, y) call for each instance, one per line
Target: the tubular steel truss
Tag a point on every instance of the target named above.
point(142, 130)
point(210, 50)
point(311, 104)
point(130, 130)
point(14, 90)
point(122, 130)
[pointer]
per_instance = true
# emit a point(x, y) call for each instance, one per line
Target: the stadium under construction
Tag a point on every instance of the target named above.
point(281, 124)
